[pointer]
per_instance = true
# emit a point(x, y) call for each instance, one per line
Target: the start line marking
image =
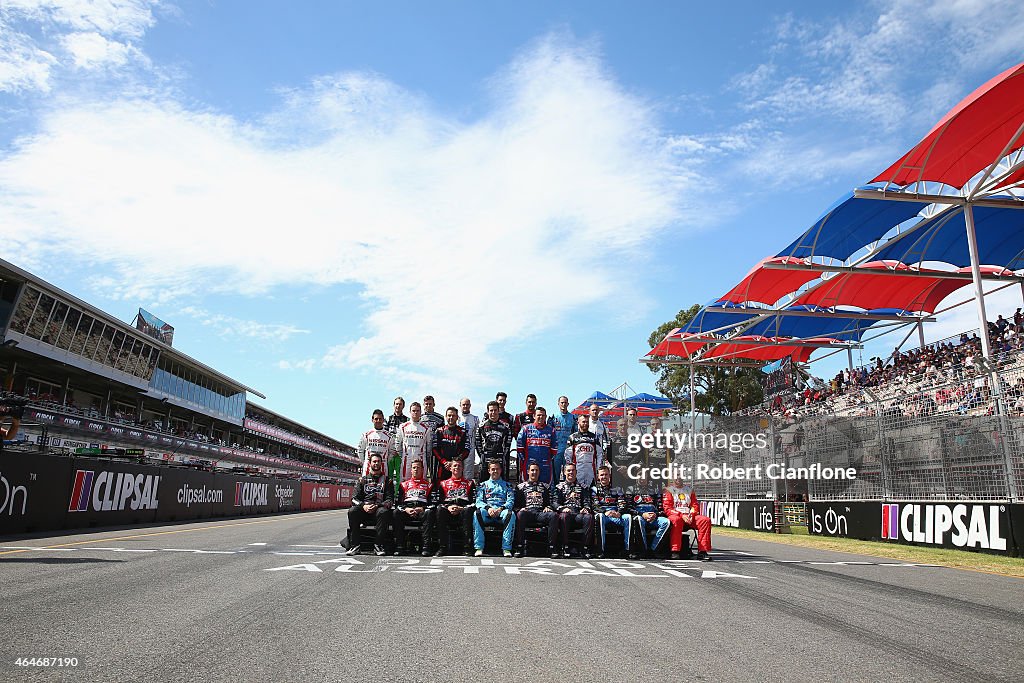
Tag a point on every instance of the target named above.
point(452, 561)
point(474, 565)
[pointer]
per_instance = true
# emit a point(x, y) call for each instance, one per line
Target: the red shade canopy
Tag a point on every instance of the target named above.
point(741, 351)
point(882, 289)
point(674, 345)
point(766, 286)
point(969, 138)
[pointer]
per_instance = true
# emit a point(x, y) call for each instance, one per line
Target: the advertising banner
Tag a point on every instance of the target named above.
point(190, 494)
point(753, 515)
point(107, 492)
point(33, 492)
point(317, 496)
point(951, 524)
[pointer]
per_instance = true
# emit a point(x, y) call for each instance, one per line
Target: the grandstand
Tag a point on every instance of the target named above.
point(940, 422)
point(95, 382)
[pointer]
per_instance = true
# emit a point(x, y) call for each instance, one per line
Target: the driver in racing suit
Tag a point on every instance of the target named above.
point(376, 441)
point(645, 499)
point(412, 443)
point(611, 507)
point(679, 501)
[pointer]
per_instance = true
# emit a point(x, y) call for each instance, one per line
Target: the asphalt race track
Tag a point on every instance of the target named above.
point(273, 599)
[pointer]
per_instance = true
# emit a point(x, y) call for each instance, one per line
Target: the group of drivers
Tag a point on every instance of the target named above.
point(395, 491)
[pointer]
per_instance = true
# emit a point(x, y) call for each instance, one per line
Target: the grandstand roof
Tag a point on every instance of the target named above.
point(983, 127)
point(8, 269)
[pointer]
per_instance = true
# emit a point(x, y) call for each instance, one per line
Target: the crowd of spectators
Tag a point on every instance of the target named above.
point(945, 377)
point(49, 401)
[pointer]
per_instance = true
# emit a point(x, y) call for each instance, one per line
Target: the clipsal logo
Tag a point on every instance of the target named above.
point(722, 513)
point(250, 493)
point(321, 493)
point(9, 502)
point(113, 491)
point(929, 523)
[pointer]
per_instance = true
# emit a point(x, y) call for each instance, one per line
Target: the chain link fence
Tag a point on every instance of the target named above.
point(943, 435)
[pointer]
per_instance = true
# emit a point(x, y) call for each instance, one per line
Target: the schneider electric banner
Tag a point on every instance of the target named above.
point(755, 515)
point(44, 492)
point(984, 527)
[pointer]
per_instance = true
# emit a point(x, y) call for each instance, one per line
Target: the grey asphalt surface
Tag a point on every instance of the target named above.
point(273, 599)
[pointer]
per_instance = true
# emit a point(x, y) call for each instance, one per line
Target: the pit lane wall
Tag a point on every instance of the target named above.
point(45, 492)
point(987, 527)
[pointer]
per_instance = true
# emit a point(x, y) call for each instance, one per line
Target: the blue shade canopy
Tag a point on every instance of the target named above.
point(649, 400)
point(1000, 234)
point(849, 225)
point(705, 320)
point(846, 329)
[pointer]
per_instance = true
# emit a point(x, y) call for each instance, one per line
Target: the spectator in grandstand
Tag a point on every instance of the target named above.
point(679, 503)
point(536, 443)
point(564, 424)
point(611, 507)
point(526, 417)
point(412, 444)
point(493, 440)
point(397, 418)
point(455, 505)
point(534, 507)
point(471, 423)
point(581, 452)
point(8, 433)
point(372, 501)
point(645, 501)
point(450, 445)
point(415, 504)
point(574, 504)
point(432, 419)
point(495, 501)
point(376, 440)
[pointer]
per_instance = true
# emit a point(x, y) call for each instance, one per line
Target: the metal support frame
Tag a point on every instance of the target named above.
point(857, 270)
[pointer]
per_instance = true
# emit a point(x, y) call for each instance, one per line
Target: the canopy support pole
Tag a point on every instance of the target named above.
point(986, 345)
point(920, 335)
point(979, 291)
point(693, 404)
point(849, 360)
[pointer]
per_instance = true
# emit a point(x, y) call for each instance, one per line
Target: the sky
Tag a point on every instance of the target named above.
point(336, 203)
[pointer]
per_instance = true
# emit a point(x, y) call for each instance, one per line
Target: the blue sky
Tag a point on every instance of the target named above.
point(339, 202)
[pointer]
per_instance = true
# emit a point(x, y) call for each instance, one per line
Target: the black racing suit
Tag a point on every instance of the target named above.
point(461, 492)
point(570, 502)
point(493, 443)
point(379, 490)
point(533, 503)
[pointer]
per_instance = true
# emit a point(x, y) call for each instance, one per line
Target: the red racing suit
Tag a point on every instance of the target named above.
point(679, 501)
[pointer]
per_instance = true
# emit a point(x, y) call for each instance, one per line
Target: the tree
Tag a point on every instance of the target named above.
point(720, 390)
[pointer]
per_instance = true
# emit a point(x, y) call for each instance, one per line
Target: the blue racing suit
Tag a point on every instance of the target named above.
point(494, 494)
point(564, 425)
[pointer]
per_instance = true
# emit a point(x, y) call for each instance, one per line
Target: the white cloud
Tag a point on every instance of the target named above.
point(868, 66)
point(93, 51)
point(558, 188)
point(39, 38)
point(228, 326)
